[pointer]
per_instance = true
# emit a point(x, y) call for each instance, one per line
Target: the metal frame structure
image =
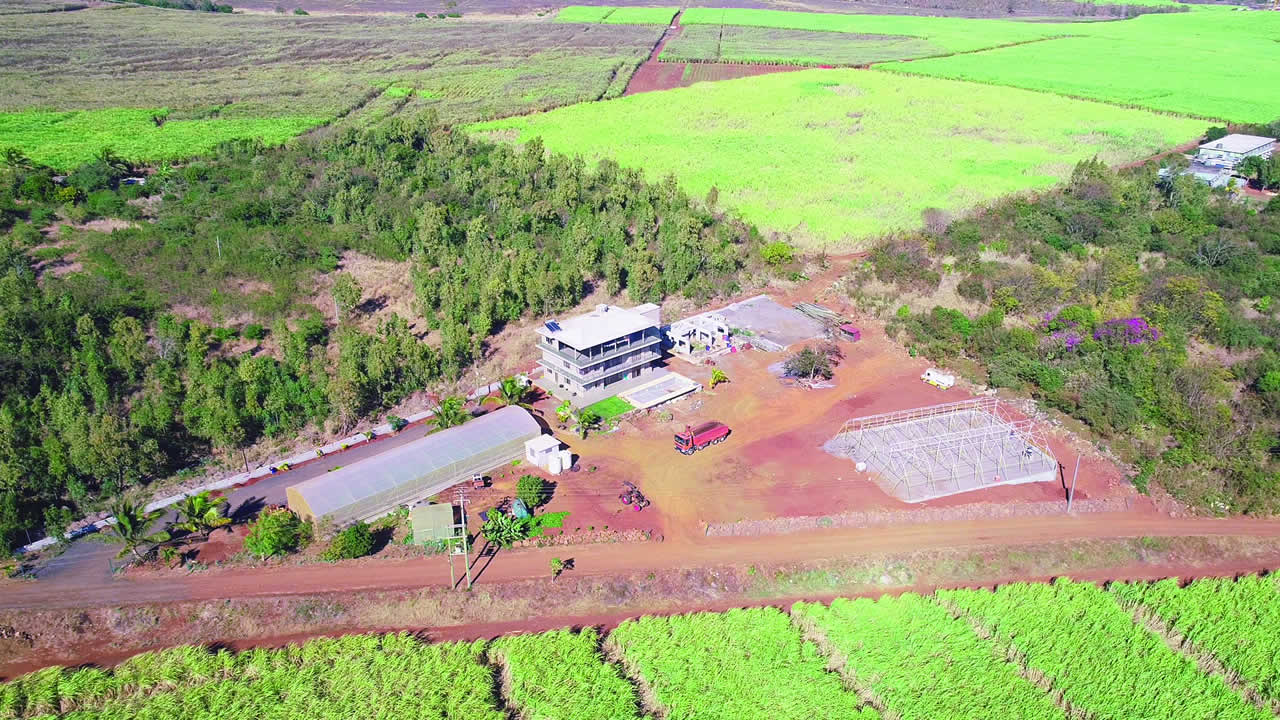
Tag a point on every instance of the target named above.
point(946, 449)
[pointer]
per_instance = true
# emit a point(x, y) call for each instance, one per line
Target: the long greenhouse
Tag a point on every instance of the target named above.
point(416, 470)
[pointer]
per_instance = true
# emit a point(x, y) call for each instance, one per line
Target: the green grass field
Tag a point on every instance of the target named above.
point(616, 15)
point(950, 34)
point(1211, 63)
point(838, 156)
point(1027, 651)
point(66, 139)
point(729, 43)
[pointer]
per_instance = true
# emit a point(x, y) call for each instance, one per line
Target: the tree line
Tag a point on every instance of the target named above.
point(104, 387)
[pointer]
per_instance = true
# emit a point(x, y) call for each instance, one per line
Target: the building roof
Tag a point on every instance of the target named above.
point(432, 522)
point(606, 322)
point(542, 443)
point(414, 470)
point(1235, 143)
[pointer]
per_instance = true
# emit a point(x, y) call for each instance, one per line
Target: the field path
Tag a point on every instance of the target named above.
point(654, 75)
point(615, 559)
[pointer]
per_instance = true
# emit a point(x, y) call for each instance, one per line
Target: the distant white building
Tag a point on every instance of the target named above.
point(1214, 177)
point(585, 358)
point(1229, 151)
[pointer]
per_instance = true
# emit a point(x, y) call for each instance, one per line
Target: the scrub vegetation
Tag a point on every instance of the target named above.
point(852, 154)
point(1141, 305)
point(1024, 651)
point(616, 15)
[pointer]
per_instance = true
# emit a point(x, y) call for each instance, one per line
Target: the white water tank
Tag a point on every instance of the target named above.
point(553, 464)
point(566, 459)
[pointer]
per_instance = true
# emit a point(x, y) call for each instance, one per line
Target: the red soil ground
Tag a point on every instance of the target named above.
point(655, 75)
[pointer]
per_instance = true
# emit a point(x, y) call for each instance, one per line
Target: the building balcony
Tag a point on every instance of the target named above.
point(637, 359)
point(580, 360)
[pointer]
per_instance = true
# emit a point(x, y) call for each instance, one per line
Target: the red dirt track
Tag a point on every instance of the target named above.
point(613, 559)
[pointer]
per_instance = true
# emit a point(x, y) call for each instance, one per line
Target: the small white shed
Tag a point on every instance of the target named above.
point(540, 450)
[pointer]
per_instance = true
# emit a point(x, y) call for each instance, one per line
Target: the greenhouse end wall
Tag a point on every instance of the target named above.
point(416, 470)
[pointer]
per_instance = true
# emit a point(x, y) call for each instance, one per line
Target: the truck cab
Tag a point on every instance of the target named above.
point(696, 438)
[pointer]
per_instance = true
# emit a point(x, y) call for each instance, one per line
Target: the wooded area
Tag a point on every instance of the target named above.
point(105, 388)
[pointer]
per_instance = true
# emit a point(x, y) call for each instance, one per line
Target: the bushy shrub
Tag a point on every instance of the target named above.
point(253, 331)
point(353, 542)
point(36, 186)
point(778, 253)
point(972, 288)
point(277, 531)
point(533, 491)
point(905, 262)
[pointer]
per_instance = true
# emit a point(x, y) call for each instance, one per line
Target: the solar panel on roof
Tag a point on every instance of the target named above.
point(552, 325)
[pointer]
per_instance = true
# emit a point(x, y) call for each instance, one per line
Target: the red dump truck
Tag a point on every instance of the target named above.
point(696, 438)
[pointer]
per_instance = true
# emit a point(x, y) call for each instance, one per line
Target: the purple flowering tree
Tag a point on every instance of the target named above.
point(1126, 331)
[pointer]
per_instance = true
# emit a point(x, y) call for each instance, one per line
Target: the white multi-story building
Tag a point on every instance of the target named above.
point(1230, 151)
point(584, 358)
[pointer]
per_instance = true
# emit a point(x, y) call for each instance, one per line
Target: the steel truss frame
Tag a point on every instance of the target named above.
point(948, 448)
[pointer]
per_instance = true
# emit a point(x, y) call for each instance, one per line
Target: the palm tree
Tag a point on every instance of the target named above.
point(585, 420)
point(511, 392)
point(132, 528)
point(201, 514)
point(450, 413)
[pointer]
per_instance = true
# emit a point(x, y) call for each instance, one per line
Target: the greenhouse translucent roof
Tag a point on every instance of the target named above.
point(417, 469)
point(432, 522)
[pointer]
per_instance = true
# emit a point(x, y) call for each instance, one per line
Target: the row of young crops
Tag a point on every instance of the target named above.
point(1029, 651)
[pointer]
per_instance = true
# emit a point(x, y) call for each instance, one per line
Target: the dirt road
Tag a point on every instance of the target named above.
point(609, 559)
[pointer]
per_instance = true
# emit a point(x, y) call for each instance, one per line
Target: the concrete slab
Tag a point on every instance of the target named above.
point(776, 327)
point(668, 387)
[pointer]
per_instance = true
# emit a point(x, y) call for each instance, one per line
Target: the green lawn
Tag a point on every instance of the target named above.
point(835, 157)
point(1211, 63)
point(610, 408)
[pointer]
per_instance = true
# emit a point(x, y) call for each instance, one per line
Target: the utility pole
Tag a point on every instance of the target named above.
point(461, 498)
point(1071, 496)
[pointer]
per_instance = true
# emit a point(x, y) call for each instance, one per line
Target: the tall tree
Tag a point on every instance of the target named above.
point(346, 294)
